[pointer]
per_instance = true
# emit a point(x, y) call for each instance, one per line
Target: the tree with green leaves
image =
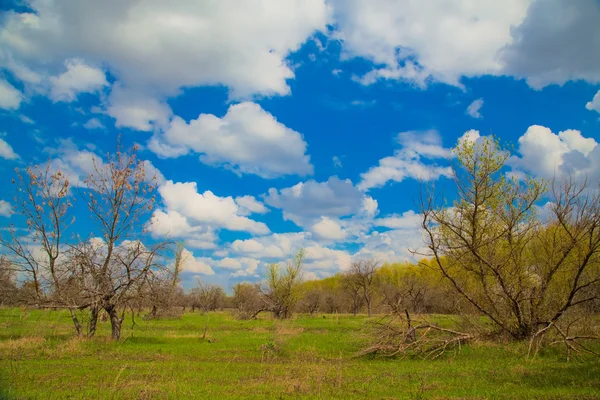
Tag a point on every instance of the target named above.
point(281, 289)
point(524, 274)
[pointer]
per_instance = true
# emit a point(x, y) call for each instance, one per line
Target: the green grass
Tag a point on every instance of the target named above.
point(308, 357)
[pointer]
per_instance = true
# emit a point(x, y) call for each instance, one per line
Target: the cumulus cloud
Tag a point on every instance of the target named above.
point(135, 110)
point(10, 97)
point(594, 104)
point(195, 265)
point(206, 208)
point(548, 155)
point(78, 78)
point(165, 47)
point(544, 41)
point(247, 140)
point(557, 42)
point(6, 151)
point(306, 202)
point(408, 219)
point(407, 162)
point(474, 107)
point(6, 209)
point(412, 41)
point(327, 228)
point(282, 246)
point(249, 205)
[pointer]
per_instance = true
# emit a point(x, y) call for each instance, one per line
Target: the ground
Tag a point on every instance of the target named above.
point(214, 356)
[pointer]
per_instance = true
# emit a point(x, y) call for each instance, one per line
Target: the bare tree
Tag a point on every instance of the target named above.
point(247, 299)
point(352, 289)
point(8, 287)
point(207, 297)
point(361, 275)
point(120, 198)
point(280, 290)
point(42, 199)
point(312, 300)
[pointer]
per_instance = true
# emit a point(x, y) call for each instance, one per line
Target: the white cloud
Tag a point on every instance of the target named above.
point(132, 109)
point(79, 78)
point(6, 151)
point(168, 46)
point(172, 224)
point(282, 246)
point(474, 107)
point(543, 41)
point(415, 42)
point(471, 135)
point(595, 103)
point(10, 97)
point(247, 140)
point(408, 219)
point(93, 123)
point(249, 205)
point(548, 155)
point(196, 265)
point(327, 228)
point(306, 202)
point(407, 162)
point(206, 208)
point(557, 42)
point(6, 209)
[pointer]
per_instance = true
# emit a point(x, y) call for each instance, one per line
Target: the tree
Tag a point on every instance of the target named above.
point(523, 273)
point(247, 299)
point(165, 293)
point(8, 288)
point(280, 291)
point(207, 297)
point(42, 199)
point(361, 276)
point(352, 289)
point(116, 263)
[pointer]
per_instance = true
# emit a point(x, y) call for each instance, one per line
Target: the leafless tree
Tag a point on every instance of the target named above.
point(207, 297)
point(37, 252)
point(247, 299)
point(361, 276)
point(312, 301)
point(119, 198)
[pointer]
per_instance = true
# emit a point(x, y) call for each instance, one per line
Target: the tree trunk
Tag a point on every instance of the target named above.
point(93, 321)
point(369, 307)
point(115, 322)
point(75, 321)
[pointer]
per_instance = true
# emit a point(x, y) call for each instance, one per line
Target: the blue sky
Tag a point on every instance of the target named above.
point(276, 125)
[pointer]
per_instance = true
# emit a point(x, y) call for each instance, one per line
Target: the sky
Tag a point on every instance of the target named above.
point(275, 125)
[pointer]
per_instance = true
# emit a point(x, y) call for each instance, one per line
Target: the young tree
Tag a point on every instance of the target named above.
point(361, 275)
point(522, 273)
point(280, 291)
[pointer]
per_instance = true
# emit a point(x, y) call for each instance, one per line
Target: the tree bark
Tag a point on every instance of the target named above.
point(115, 322)
point(75, 321)
point(93, 321)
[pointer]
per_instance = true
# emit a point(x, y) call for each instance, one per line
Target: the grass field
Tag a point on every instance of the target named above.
point(308, 357)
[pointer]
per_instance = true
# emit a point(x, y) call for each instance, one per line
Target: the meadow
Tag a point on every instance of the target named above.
point(215, 356)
